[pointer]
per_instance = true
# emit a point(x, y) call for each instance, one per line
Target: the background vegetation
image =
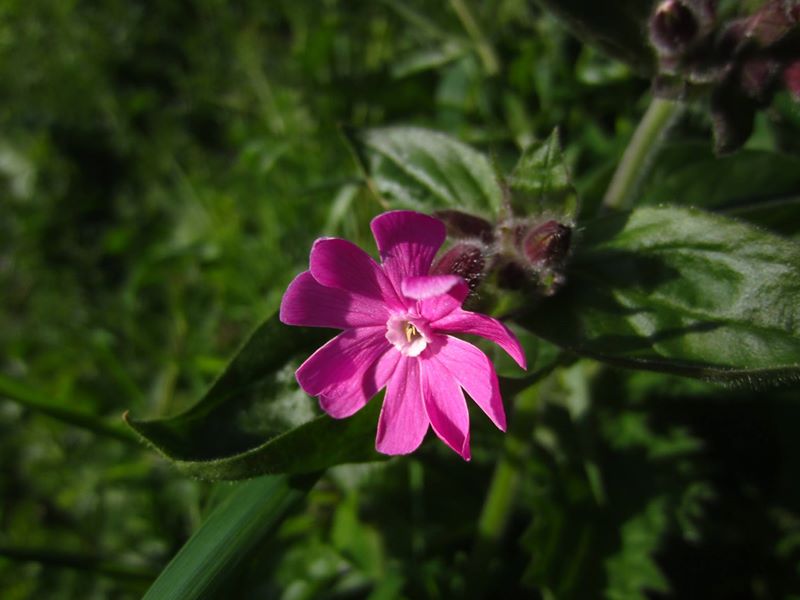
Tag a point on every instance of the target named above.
point(164, 168)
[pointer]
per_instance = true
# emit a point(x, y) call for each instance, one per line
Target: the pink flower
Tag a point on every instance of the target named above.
point(397, 320)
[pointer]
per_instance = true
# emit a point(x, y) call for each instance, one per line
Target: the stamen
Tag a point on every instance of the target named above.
point(408, 337)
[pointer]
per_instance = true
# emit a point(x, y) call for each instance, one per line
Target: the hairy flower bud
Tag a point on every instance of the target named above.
point(772, 22)
point(732, 116)
point(791, 77)
point(758, 77)
point(547, 245)
point(467, 259)
point(673, 27)
point(464, 225)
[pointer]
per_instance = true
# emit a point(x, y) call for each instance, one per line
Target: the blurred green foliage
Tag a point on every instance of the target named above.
point(164, 168)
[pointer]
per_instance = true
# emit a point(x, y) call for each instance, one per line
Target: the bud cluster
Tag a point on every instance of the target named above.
point(740, 61)
point(521, 251)
point(541, 248)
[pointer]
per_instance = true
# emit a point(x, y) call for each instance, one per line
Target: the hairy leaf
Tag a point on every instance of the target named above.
point(424, 170)
point(540, 182)
point(254, 420)
point(781, 215)
point(680, 290)
point(690, 174)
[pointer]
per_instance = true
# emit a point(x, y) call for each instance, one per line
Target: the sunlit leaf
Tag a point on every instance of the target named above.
point(680, 290)
point(424, 170)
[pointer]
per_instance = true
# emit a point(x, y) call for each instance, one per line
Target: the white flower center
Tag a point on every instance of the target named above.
point(406, 334)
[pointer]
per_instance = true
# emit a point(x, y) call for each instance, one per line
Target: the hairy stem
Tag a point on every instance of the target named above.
point(640, 151)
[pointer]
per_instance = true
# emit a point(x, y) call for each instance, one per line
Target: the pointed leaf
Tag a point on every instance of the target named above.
point(540, 182)
point(255, 420)
point(425, 170)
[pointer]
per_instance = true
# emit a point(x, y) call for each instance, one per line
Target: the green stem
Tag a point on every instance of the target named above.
point(499, 502)
point(640, 151)
point(72, 560)
point(497, 506)
point(491, 63)
point(33, 399)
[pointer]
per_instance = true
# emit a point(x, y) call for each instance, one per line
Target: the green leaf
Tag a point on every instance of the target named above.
point(618, 28)
point(255, 420)
point(781, 215)
point(428, 59)
point(690, 174)
point(757, 186)
point(540, 181)
point(224, 540)
point(683, 291)
point(424, 170)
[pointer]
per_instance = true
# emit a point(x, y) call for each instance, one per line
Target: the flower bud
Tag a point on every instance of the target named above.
point(758, 76)
point(547, 245)
point(791, 77)
point(732, 116)
point(464, 225)
point(771, 23)
point(467, 259)
point(673, 27)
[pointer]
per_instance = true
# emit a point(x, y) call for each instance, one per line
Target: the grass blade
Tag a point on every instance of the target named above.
point(216, 549)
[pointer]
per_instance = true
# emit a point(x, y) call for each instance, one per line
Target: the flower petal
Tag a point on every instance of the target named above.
point(341, 264)
point(342, 362)
point(423, 287)
point(407, 241)
point(403, 422)
point(437, 307)
point(445, 405)
point(310, 304)
point(344, 400)
point(462, 321)
point(473, 371)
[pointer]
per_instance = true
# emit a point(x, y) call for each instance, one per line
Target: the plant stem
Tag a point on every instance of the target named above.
point(500, 497)
point(72, 560)
point(491, 63)
point(645, 141)
point(33, 399)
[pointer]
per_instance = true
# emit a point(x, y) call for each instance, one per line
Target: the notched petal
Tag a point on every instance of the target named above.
point(407, 242)
point(308, 303)
point(462, 321)
point(423, 287)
